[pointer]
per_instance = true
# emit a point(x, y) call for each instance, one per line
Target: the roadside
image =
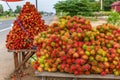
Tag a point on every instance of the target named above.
point(6, 59)
point(6, 18)
point(98, 22)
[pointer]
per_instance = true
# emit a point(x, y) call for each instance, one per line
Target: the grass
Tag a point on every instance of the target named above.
point(8, 18)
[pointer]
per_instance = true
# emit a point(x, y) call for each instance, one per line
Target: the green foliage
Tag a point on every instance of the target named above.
point(95, 6)
point(74, 7)
point(107, 4)
point(18, 8)
point(114, 18)
point(77, 7)
point(41, 12)
point(6, 13)
point(92, 0)
point(1, 10)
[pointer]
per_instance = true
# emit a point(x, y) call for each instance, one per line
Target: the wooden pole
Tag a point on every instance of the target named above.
point(37, 4)
point(101, 6)
point(23, 57)
point(16, 59)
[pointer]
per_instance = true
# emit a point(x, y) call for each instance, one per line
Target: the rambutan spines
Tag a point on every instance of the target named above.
point(80, 48)
point(25, 27)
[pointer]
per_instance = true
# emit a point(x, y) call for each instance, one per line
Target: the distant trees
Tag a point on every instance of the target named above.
point(18, 8)
point(76, 7)
point(95, 6)
point(9, 12)
point(82, 7)
point(1, 9)
point(107, 4)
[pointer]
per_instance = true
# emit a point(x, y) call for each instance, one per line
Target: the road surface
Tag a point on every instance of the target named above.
point(5, 24)
point(6, 59)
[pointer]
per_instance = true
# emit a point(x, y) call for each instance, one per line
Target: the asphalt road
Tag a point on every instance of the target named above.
point(5, 24)
point(6, 59)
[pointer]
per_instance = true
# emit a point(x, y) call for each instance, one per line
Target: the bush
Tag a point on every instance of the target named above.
point(114, 18)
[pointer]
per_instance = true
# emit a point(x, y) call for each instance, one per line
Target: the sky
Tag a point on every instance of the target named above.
point(43, 5)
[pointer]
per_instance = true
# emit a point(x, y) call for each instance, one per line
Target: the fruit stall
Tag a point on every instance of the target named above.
point(68, 49)
point(20, 38)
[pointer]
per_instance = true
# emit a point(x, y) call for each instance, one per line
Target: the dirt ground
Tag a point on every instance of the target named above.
point(29, 72)
point(24, 74)
point(96, 23)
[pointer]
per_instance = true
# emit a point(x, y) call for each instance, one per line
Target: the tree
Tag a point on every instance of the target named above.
point(92, 0)
point(1, 9)
point(73, 7)
point(95, 6)
point(107, 4)
point(18, 8)
point(8, 12)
